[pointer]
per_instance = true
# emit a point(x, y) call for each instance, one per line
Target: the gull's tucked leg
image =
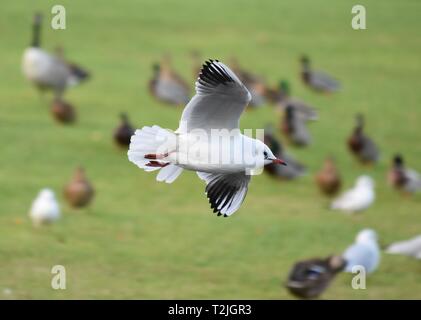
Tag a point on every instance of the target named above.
point(156, 156)
point(157, 164)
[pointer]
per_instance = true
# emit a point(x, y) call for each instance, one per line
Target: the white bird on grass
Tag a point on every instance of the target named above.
point(207, 141)
point(358, 198)
point(411, 247)
point(364, 252)
point(45, 208)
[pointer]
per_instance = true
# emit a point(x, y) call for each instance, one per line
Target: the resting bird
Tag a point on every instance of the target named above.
point(63, 111)
point(45, 208)
point(79, 191)
point(317, 80)
point(123, 133)
point(404, 179)
point(295, 128)
point(361, 145)
point(207, 141)
point(358, 198)
point(304, 110)
point(293, 170)
point(411, 247)
point(328, 179)
point(364, 252)
point(310, 278)
point(47, 71)
point(167, 86)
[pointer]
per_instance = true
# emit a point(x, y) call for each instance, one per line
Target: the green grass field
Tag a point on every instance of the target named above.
point(147, 240)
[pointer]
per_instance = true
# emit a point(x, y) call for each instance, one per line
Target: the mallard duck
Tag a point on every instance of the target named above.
point(293, 170)
point(49, 71)
point(303, 109)
point(79, 191)
point(45, 209)
point(294, 127)
point(328, 179)
point(407, 180)
point(364, 252)
point(124, 132)
point(310, 278)
point(317, 80)
point(358, 198)
point(411, 247)
point(167, 86)
point(361, 145)
point(63, 111)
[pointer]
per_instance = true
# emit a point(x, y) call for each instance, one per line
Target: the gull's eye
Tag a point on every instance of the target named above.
point(265, 154)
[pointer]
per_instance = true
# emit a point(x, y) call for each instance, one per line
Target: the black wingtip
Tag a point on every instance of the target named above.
point(213, 74)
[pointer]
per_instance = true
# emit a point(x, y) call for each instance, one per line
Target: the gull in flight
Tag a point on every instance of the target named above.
point(207, 141)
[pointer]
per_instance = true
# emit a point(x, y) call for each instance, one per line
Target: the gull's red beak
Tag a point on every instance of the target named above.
point(279, 161)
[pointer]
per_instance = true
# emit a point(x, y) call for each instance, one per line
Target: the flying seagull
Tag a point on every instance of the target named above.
point(207, 141)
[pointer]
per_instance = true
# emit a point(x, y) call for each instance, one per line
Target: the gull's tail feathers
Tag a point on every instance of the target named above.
point(150, 148)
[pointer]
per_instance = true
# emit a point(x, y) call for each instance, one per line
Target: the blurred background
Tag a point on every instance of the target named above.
point(148, 240)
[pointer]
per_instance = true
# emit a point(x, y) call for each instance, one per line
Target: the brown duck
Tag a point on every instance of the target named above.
point(310, 278)
point(63, 111)
point(328, 179)
point(79, 192)
point(362, 146)
point(124, 132)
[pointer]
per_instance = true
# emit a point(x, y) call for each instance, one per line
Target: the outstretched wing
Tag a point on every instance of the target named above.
point(226, 192)
point(219, 101)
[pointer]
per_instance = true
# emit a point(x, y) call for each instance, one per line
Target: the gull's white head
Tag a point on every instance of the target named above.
point(366, 236)
point(46, 194)
point(365, 182)
point(267, 155)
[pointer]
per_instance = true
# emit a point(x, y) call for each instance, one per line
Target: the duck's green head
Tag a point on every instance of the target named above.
point(289, 111)
point(284, 86)
point(156, 67)
point(124, 117)
point(305, 59)
point(398, 160)
point(305, 62)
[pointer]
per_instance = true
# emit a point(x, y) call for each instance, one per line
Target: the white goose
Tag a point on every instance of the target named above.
point(45, 208)
point(47, 71)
